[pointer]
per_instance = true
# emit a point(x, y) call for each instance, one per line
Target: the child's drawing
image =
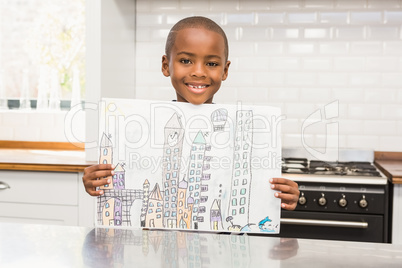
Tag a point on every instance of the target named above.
point(182, 166)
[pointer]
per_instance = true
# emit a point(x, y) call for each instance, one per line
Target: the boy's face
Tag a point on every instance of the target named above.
point(196, 65)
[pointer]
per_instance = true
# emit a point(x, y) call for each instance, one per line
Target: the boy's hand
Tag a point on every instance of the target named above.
point(288, 192)
point(94, 177)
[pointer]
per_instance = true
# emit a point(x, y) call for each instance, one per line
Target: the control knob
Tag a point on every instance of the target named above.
point(322, 201)
point(302, 199)
point(363, 202)
point(343, 202)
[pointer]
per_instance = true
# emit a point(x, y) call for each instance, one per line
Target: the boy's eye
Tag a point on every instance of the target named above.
point(212, 64)
point(185, 61)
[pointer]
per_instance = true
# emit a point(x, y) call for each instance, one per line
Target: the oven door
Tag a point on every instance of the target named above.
point(332, 226)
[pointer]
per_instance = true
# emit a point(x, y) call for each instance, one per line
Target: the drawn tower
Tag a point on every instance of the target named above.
point(172, 151)
point(155, 204)
point(241, 176)
point(106, 156)
point(184, 206)
point(119, 177)
point(216, 215)
point(145, 188)
point(195, 172)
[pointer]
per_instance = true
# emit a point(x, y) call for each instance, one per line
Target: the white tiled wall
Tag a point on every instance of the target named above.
point(58, 126)
point(300, 56)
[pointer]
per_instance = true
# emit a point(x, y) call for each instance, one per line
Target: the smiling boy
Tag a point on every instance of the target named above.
point(197, 62)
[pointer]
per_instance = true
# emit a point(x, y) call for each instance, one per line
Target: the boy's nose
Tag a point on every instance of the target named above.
point(198, 70)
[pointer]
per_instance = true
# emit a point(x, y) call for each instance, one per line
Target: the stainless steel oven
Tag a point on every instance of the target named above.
point(340, 199)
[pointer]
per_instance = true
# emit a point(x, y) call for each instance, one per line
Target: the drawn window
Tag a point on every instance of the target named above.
point(193, 165)
point(196, 194)
point(173, 213)
point(168, 166)
point(245, 172)
point(242, 210)
point(151, 204)
point(180, 203)
point(243, 191)
point(167, 176)
point(193, 156)
point(199, 165)
point(174, 174)
point(173, 197)
point(150, 211)
point(234, 202)
point(234, 192)
point(197, 186)
point(158, 216)
point(173, 206)
point(175, 166)
point(202, 209)
point(237, 165)
point(242, 201)
point(107, 205)
point(104, 161)
point(198, 179)
point(114, 176)
point(166, 184)
point(166, 198)
point(191, 188)
point(107, 214)
point(105, 151)
point(166, 192)
point(120, 176)
point(167, 213)
point(106, 185)
point(237, 173)
point(159, 204)
point(244, 181)
point(245, 165)
point(195, 210)
point(117, 222)
point(166, 205)
point(245, 155)
point(245, 147)
point(200, 156)
point(233, 212)
point(168, 151)
point(197, 201)
point(240, 122)
point(158, 210)
point(237, 156)
point(204, 199)
point(236, 182)
point(204, 188)
point(173, 182)
point(192, 179)
point(198, 172)
point(192, 172)
point(176, 150)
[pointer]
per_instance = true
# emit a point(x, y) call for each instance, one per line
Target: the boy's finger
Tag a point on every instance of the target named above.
point(93, 168)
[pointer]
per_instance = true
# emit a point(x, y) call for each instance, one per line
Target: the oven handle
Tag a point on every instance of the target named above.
point(327, 223)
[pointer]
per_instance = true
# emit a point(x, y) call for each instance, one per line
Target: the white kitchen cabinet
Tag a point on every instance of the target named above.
point(44, 197)
point(397, 215)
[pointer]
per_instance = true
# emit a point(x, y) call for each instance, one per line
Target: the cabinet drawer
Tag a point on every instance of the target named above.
point(56, 188)
point(39, 214)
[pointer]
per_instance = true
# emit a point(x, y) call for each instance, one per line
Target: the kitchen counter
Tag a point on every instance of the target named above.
point(390, 163)
point(31, 156)
point(28, 245)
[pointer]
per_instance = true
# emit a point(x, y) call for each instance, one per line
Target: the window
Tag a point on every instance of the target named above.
point(40, 35)
point(105, 151)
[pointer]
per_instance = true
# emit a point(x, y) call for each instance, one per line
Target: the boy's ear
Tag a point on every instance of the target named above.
point(226, 71)
point(165, 66)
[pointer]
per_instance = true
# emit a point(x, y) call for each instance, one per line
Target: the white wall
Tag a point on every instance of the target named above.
point(302, 56)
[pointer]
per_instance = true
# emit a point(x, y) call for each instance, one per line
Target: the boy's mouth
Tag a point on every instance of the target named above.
point(197, 88)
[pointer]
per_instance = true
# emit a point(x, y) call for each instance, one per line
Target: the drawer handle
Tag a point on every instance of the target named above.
point(328, 223)
point(4, 186)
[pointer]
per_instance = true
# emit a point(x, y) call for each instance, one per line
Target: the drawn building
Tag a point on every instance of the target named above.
point(219, 118)
point(145, 200)
point(241, 176)
point(106, 156)
point(216, 215)
point(155, 205)
point(184, 206)
point(119, 177)
point(172, 151)
point(195, 172)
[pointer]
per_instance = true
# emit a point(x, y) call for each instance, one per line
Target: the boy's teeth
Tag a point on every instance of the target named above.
point(197, 86)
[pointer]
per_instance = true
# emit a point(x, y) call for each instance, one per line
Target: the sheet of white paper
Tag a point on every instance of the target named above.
point(183, 166)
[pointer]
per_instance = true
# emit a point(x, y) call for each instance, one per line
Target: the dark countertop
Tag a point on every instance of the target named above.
point(28, 245)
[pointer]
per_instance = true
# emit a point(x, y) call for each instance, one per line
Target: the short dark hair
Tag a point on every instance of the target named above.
point(195, 22)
